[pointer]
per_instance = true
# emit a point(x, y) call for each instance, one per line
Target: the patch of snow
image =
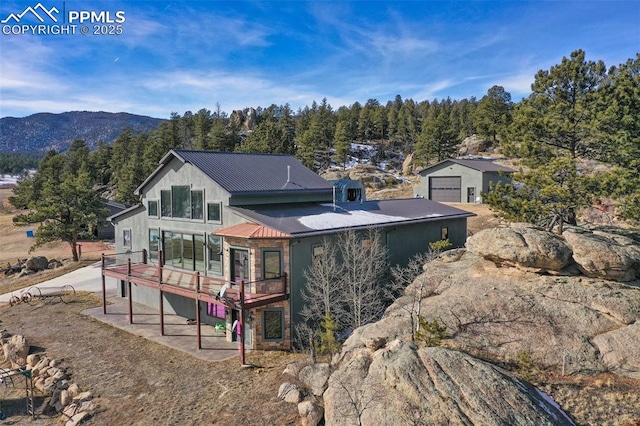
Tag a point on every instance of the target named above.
point(551, 402)
point(341, 218)
point(8, 179)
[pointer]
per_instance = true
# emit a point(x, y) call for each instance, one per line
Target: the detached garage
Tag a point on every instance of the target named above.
point(460, 181)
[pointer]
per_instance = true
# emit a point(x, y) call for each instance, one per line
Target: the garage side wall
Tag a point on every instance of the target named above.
point(471, 182)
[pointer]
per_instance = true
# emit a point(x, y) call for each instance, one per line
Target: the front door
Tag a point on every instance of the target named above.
point(471, 195)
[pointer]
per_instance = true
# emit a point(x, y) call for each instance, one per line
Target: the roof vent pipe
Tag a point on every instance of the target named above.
point(288, 174)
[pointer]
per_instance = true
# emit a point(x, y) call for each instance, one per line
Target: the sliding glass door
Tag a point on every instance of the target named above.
point(184, 251)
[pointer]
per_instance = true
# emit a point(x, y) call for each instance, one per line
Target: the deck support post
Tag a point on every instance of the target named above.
point(129, 291)
point(198, 330)
point(104, 287)
point(161, 312)
point(242, 330)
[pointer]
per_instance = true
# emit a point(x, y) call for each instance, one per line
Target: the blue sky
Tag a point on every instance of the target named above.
point(178, 56)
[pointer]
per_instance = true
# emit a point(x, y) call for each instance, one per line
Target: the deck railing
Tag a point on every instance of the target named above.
point(135, 265)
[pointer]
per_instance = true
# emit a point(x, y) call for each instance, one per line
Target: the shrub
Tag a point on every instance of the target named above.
point(432, 333)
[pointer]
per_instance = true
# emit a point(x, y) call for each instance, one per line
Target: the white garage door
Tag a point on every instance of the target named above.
point(445, 189)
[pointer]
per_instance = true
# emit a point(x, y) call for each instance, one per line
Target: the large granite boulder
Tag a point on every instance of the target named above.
point(15, 350)
point(473, 145)
point(604, 255)
point(315, 377)
point(404, 384)
point(521, 245)
point(407, 165)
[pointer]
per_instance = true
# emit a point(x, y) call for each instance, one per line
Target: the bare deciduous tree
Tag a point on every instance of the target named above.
point(322, 293)
point(364, 259)
point(411, 282)
point(345, 282)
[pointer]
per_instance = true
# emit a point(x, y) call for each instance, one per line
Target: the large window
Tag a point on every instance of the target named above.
point(152, 208)
point(181, 202)
point(214, 212)
point(184, 251)
point(273, 324)
point(154, 243)
point(215, 254)
point(271, 264)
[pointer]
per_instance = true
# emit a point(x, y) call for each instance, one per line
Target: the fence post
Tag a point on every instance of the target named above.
point(79, 251)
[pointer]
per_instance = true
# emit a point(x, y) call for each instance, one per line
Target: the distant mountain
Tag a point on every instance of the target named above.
point(44, 131)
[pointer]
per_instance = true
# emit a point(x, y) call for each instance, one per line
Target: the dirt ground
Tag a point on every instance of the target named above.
point(139, 382)
point(14, 243)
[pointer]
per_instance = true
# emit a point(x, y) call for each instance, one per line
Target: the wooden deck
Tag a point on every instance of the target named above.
point(188, 284)
point(192, 285)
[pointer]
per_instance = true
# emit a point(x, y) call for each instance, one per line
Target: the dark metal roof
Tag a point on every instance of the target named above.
point(240, 173)
point(482, 165)
point(115, 217)
point(315, 219)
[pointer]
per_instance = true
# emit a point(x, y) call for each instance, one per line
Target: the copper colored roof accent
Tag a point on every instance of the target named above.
point(251, 230)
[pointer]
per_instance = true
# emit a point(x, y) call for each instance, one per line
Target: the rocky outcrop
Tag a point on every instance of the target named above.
point(472, 145)
point(620, 350)
point(50, 379)
point(372, 177)
point(404, 384)
point(407, 165)
point(521, 245)
point(568, 321)
point(604, 255)
point(513, 293)
point(15, 349)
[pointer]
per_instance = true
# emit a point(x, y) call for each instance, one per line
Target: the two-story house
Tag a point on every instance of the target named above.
point(209, 221)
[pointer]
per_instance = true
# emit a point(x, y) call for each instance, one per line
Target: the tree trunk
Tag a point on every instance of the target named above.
point(74, 250)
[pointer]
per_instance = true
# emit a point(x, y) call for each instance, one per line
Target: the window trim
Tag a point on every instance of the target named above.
point(157, 203)
point(221, 254)
point(158, 242)
point(264, 252)
point(175, 205)
point(219, 204)
point(125, 244)
point(315, 247)
point(191, 198)
point(165, 192)
point(282, 325)
point(444, 233)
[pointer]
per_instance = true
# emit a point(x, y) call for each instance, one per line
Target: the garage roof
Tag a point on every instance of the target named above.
point(480, 164)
